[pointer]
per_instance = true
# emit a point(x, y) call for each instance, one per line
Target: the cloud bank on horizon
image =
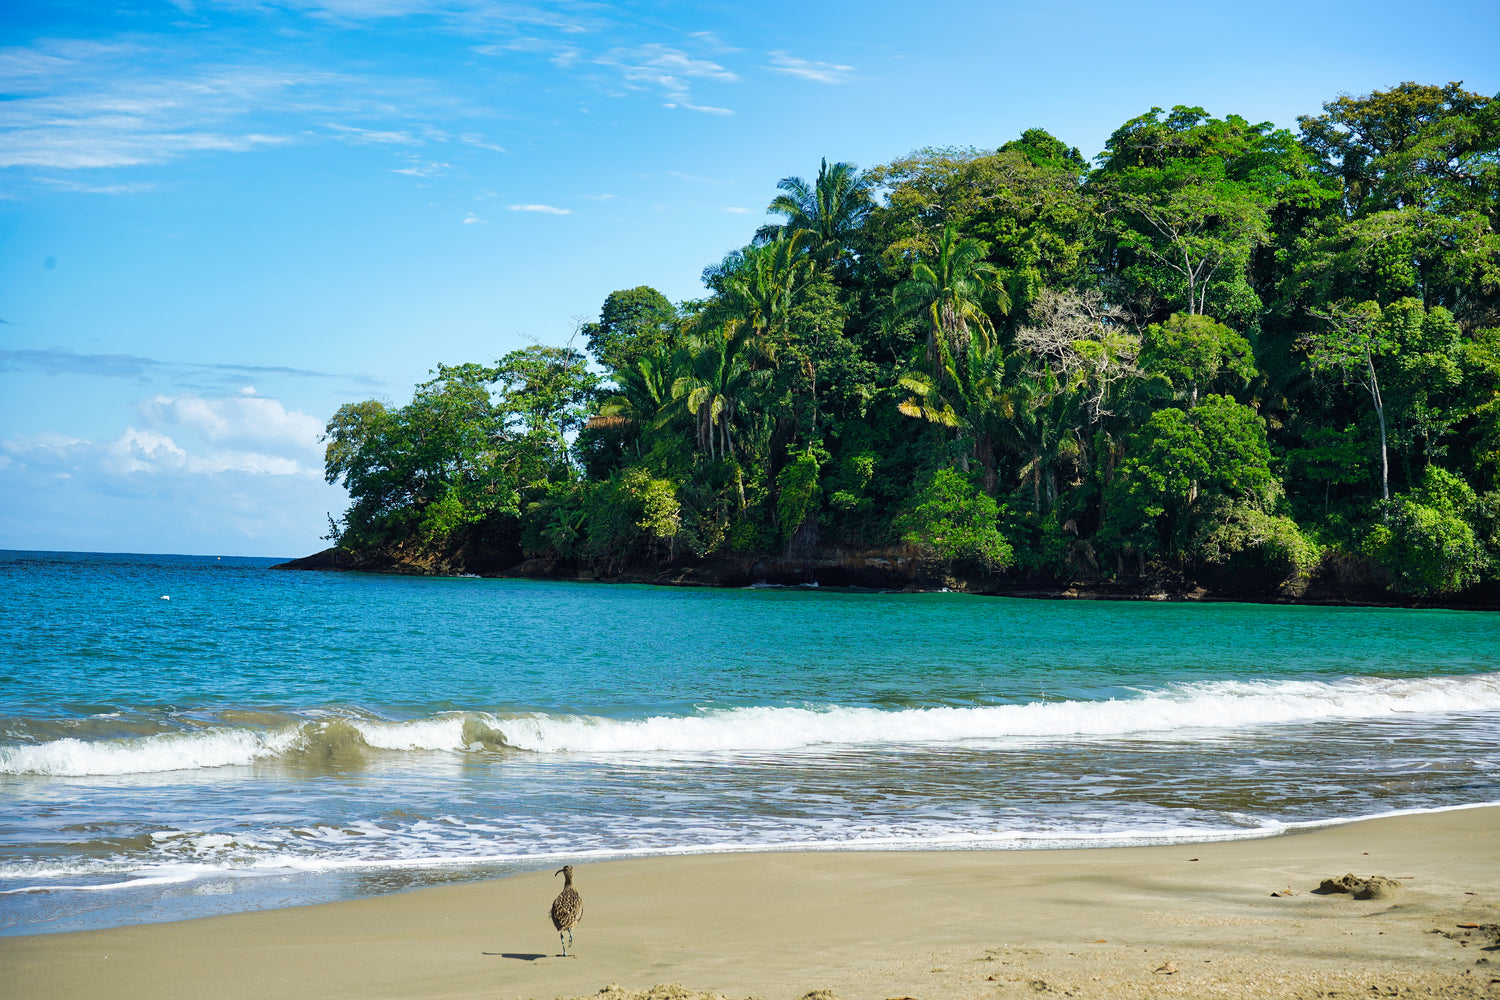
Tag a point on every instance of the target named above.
point(225, 218)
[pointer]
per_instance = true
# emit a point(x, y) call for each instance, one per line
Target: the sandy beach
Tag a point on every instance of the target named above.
point(1184, 920)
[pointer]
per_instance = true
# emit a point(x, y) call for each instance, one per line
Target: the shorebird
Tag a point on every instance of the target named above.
point(567, 908)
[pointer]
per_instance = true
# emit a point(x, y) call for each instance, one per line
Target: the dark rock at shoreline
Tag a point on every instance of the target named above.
point(329, 560)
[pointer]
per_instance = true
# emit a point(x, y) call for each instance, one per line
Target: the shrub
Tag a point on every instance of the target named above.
point(949, 518)
point(1425, 539)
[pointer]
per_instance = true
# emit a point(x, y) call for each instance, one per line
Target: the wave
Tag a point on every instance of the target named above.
point(1178, 709)
point(422, 853)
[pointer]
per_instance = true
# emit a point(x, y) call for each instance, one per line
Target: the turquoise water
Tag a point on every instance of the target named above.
point(189, 735)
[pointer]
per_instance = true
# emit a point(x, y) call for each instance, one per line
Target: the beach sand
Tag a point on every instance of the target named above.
point(1192, 920)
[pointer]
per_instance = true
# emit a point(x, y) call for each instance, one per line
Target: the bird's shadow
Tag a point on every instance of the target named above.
point(530, 956)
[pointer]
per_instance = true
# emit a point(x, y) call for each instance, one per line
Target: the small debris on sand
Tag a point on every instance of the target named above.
point(1167, 968)
point(673, 991)
point(1288, 891)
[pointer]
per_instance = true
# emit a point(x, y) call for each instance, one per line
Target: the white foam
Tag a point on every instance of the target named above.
point(161, 752)
point(1211, 705)
point(440, 732)
point(1185, 709)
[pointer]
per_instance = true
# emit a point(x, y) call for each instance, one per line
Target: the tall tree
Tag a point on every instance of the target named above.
point(1193, 351)
point(756, 288)
point(1025, 200)
point(832, 208)
point(633, 324)
point(547, 394)
point(1189, 200)
point(713, 387)
point(1420, 170)
point(1354, 338)
point(952, 286)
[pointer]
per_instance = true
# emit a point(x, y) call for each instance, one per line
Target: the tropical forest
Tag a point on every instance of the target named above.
point(1219, 356)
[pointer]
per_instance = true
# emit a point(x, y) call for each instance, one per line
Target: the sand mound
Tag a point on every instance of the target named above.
point(1371, 887)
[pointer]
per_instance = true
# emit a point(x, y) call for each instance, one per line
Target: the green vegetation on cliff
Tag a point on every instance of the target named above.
point(1223, 349)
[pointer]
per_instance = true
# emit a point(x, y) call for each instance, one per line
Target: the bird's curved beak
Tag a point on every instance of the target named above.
point(557, 873)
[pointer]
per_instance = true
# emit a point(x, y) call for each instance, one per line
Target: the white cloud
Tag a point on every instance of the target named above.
point(473, 220)
point(735, 210)
point(544, 209)
point(243, 436)
point(235, 474)
point(424, 169)
point(479, 141)
point(243, 420)
point(350, 133)
point(71, 146)
point(77, 105)
point(96, 188)
point(711, 40)
point(706, 109)
point(598, 197)
point(669, 70)
point(819, 72)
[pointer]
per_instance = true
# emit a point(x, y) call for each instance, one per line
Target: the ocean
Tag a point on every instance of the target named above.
point(185, 735)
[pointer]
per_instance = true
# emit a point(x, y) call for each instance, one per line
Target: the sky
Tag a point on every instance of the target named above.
point(222, 219)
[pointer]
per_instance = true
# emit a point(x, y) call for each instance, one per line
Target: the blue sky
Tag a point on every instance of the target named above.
point(220, 219)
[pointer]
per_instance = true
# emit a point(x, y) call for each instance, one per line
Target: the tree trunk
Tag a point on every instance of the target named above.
point(985, 450)
point(1385, 464)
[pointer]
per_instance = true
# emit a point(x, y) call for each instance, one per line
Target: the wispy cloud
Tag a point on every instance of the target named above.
point(736, 210)
point(544, 209)
point(78, 105)
point(480, 142)
point(693, 178)
point(670, 70)
point(704, 108)
point(598, 197)
point(62, 361)
point(711, 40)
point(423, 169)
point(351, 133)
point(81, 188)
point(473, 220)
point(807, 69)
point(471, 17)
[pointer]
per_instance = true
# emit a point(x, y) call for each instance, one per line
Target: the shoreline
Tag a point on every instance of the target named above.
point(869, 925)
point(897, 571)
point(229, 891)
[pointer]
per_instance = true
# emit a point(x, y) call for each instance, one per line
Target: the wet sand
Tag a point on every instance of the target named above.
point(1195, 920)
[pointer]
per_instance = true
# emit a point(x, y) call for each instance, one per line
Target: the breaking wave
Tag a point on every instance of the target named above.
point(1185, 708)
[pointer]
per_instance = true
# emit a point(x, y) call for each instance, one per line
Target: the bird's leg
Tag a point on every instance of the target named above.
point(570, 936)
point(563, 943)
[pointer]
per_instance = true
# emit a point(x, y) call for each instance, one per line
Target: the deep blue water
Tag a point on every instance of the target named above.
point(183, 735)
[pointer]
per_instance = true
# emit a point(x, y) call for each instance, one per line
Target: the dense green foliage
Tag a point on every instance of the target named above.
point(1222, 348)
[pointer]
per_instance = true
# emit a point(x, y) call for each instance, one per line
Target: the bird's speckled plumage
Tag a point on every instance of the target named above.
point(567, 908)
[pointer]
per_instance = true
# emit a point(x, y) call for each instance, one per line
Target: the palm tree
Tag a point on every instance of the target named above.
point(971, 398)
point(951, 283)
point(715, 377)
point(645, 390)
point(756, 288)
point(831, 209)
